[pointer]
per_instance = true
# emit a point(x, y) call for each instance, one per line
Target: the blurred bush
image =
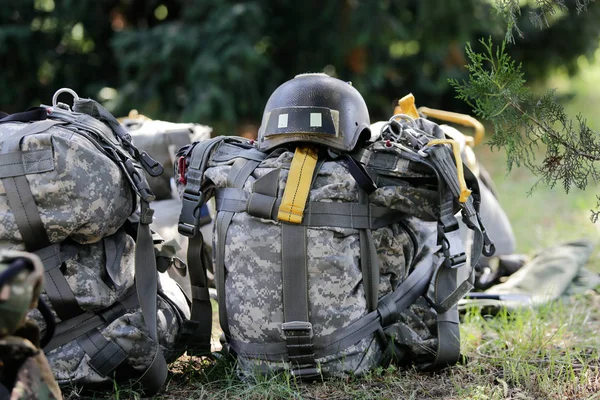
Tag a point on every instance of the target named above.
point(217, 61)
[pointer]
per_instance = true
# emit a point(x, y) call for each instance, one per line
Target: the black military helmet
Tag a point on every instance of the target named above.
point(314, 108)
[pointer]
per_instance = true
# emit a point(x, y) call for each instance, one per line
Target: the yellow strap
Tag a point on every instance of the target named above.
point(464, 191)
point(457, 118)
point(297, 186)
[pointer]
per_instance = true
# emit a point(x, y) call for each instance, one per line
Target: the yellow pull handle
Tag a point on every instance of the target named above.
point(464, 191)
point(457, 118)
point(297, 186)
point(406, 105)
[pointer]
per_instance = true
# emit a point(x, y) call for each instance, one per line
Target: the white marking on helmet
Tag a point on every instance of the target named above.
point(316, 120)
point(283, 121)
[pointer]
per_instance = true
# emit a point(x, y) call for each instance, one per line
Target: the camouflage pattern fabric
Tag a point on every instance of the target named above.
point(82, 195)
point(336, 294)
point(24, 369)
point(555, 272)
point(33, 377)
point(98, 284)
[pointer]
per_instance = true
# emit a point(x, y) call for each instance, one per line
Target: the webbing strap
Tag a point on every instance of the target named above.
point(18, 193)
point(71, 329)
point(199, 327)
point(238, 174)
point(146, 282)
point(221, 224)
point(296, 327)
point(369, 265)
point(105, 355)
point(316, 214)
point(56, 286)
point(19, 163)
point(297, 187)
point(32, 114)
point(448, 350)
point(60, 295)
point(368, 262)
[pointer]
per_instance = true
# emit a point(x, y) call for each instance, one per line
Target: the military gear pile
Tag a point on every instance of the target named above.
point(329, 262)
point(72, 185)
point(24, 370)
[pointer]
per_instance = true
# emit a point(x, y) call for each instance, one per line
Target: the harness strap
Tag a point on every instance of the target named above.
point(296, 328)
point(316, 214)
point(197, 331)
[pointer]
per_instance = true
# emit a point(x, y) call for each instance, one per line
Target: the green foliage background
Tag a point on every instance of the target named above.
point(217, 61)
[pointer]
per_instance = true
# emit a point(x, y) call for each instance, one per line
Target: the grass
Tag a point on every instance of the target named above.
point(547, 353)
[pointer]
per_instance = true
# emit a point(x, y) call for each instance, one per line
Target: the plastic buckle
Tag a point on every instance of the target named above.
point(301, 354)
point(454, 252)
point(190, 217)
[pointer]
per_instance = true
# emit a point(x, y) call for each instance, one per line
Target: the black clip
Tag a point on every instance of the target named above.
point(190, 217)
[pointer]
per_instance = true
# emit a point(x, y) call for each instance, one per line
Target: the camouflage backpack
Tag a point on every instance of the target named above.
point(332, 254)
point(73, 191)
point(24, 370)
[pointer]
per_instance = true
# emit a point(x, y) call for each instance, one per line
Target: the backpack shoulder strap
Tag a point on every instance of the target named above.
point(193, 162)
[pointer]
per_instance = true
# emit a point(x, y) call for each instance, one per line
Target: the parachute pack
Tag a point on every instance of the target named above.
point(334, 254)
point(73, 191)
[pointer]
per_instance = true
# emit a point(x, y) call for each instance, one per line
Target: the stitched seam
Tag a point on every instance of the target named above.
point(297, 187)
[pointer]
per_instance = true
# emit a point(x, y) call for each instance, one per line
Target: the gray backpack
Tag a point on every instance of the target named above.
point(366, 275)
point(73, 191)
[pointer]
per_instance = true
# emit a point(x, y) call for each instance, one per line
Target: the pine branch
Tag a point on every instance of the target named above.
point(525, 125)
point(510, 10)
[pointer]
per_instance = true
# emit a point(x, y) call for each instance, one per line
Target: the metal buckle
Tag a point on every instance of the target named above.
point(297, 328)
point(298, 335)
